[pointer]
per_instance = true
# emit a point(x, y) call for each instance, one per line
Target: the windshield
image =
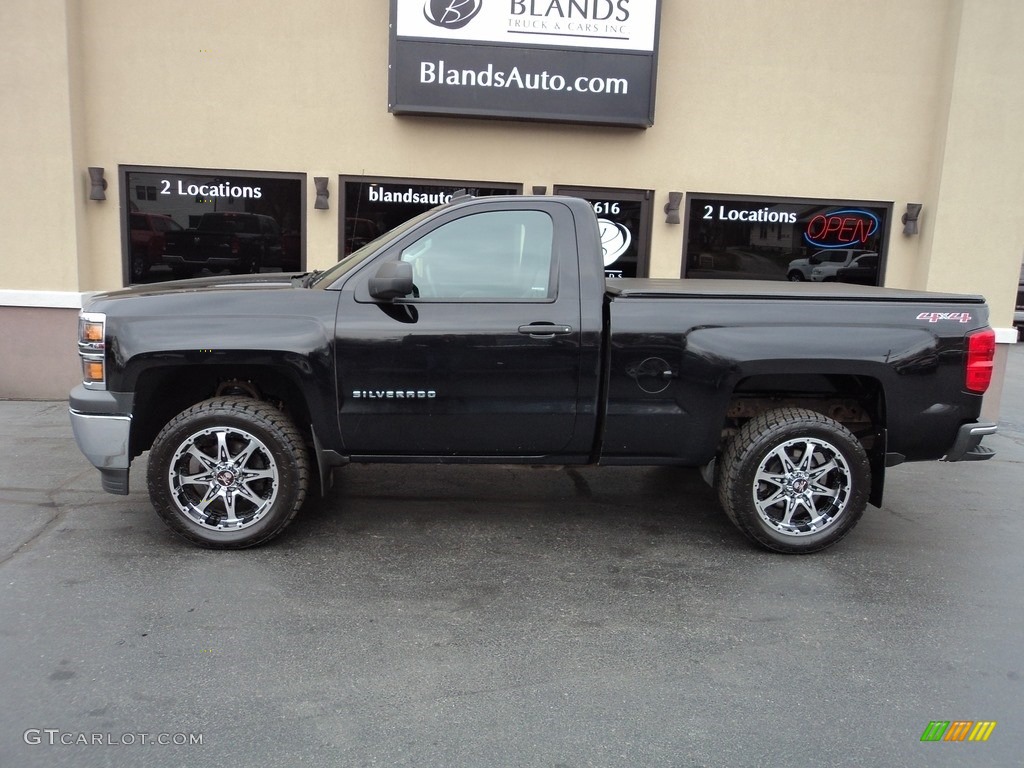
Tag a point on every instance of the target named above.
point(357, 257)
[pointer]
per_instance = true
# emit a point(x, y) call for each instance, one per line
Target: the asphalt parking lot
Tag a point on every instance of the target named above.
point(495, 616)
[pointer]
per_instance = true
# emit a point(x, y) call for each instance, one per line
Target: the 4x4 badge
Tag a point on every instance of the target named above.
point(934, 317)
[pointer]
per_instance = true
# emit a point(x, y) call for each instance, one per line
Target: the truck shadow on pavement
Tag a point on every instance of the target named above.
point(624, 502)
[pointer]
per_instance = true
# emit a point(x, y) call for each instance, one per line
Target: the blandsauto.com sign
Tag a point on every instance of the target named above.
point(578, 61)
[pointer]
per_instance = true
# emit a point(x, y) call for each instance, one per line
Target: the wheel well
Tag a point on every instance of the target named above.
point(163, 393)
point(857, 402)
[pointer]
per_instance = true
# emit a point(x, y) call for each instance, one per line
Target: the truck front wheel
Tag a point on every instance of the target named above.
point(794, 480)
point(228, 473)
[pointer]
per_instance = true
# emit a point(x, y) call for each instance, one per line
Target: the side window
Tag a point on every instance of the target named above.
point(495, 255)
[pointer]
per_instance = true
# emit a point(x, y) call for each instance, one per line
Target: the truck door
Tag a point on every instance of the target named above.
point(484, 358)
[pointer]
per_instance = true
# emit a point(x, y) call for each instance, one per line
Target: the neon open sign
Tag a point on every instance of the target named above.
point(841, 229)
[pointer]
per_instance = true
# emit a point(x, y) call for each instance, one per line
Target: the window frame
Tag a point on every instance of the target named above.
point(884, 233)
point(123, 175)
point(564, 251)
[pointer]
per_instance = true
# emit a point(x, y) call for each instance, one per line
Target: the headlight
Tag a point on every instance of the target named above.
point(92, 348)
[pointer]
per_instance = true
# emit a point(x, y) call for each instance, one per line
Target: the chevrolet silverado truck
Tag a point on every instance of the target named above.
point(485, 331)
point(236, 241)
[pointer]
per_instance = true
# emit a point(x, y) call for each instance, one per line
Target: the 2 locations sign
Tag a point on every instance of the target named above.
point(578, 61)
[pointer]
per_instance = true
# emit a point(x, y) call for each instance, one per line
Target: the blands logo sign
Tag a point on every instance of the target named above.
point(451, 14)
point(615, 240)
point(612, 24)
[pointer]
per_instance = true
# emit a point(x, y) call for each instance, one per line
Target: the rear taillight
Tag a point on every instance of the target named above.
point(981, 351)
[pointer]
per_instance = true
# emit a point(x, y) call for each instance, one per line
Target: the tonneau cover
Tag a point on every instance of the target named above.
point(640, 288)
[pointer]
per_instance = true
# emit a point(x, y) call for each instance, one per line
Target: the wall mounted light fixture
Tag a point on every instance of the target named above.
point(322, 193)
point(909, 218)
point(97, 184)
point(540, 190)
point(672, 207)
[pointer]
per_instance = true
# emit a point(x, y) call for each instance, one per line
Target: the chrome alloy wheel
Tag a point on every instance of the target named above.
point(223, 478)
point(802, 486)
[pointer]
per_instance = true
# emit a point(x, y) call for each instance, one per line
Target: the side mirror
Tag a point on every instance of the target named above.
point(393, 280)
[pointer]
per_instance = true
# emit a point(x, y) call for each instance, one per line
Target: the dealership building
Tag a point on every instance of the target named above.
point(755, 139)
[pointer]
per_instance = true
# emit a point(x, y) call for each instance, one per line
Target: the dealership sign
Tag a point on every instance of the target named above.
point(580, 61)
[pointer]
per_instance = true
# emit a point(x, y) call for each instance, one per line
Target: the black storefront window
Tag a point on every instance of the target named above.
point(786, 239)
point(186, 223)
point(624, 218)
point(373, 205)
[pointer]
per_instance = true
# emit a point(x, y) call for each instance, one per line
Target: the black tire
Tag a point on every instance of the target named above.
point(796, 276)
point(139, 266)
point(788, 498)
point(228, 473)
point(247, 265)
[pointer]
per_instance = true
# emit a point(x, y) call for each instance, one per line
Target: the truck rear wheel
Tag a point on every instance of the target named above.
point(794, 481)
point(139, 265)
point(228, 473)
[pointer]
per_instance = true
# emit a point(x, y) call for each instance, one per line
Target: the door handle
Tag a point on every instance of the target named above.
point(545, 330)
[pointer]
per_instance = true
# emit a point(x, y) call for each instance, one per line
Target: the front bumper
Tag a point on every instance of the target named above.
point(968, 445)
point(101, 423)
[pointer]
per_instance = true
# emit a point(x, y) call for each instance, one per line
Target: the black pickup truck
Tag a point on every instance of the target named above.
point(485, 331)
point(236, 241)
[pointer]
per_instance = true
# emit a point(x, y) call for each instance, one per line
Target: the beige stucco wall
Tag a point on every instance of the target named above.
point(977, 238)
point(866, 99)
point(41, 174)
point(35, 371)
